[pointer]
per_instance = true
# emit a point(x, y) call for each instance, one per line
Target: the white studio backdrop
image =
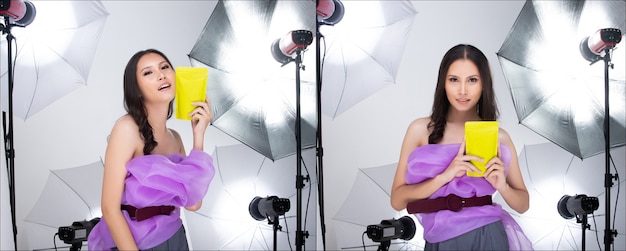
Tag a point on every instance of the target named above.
point(73, 131)
point(370, 133)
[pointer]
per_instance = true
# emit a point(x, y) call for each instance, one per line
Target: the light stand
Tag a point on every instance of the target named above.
point(608, 177)
point(583, 226)
point(329, 12)
point(16, 14)
point(300, 234)
point(282, 49)
point(275, 228)
point(604, 40)
point(319, 151)
point(8, 129)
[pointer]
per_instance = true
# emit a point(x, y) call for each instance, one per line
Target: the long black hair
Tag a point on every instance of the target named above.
point(487, 107)
point(133, 100)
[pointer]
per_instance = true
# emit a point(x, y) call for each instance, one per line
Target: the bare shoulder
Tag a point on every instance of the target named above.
point(124, 143)
point(420, 124)
point(505, 138)
point(126, 126)
point(126, 130)
point(179, 141)
point(418, 130)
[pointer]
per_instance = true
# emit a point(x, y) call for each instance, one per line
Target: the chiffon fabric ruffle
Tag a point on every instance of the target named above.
point(155, 180)
point(426, 162)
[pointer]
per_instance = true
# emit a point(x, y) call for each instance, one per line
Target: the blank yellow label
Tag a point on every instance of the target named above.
point(481, 140)
point(191, 85)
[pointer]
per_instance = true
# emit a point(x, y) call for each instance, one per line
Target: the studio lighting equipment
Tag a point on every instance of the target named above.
point(283, 48)
point(329, 12)
point(578, 206)
point(387, 230)
point(570, 206)
point(271, 206)
point(19, 12)
point(591, 47)
point(16, 13)
point(76, 233)
point(403, 228)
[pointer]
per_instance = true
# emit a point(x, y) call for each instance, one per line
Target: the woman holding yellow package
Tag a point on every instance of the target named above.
point(442, 183)
point(148, 176)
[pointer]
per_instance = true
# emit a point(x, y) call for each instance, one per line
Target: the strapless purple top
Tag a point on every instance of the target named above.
point(426, 162)
point(155, 180)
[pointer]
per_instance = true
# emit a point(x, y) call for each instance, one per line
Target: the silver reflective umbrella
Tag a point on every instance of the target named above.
point(556, 92)
point(253, 97)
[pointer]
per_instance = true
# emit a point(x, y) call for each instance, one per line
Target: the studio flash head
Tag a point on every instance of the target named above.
point(262, 208)
point(570, 206)
point(403, 228)
point(283, 48)
point(77, 232)
point(591, 47)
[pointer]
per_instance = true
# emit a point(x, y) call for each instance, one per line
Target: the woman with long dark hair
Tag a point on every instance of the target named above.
point(148, 176)
point(454, 209)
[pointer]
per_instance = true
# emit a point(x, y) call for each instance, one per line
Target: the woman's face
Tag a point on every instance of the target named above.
point(156, 78)
point(463, 85)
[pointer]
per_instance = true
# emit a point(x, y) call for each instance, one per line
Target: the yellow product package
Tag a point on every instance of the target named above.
point(190, 87)
point(481, 140)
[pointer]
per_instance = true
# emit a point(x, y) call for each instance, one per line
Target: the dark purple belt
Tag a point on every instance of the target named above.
point(451, 202)
point(147, 212)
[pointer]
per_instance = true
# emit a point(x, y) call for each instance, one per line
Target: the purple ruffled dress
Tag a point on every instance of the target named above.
point(426, 162)
point(155, 180)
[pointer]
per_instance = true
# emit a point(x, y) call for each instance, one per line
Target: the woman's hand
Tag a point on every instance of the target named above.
point(201, 117)
point(460, 164)
point(494, 173)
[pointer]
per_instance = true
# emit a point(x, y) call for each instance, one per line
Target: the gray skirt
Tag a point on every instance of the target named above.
point(177, 242)
point(489, 237)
